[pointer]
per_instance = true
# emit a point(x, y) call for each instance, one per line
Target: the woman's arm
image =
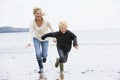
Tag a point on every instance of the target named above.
point(30, 35)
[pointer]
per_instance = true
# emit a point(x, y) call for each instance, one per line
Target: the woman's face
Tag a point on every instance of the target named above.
point(38, 14)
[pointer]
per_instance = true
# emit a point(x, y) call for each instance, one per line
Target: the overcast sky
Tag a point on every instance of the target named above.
point(80, 14)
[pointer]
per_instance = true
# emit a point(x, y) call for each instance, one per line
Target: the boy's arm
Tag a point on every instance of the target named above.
point(74, 38)
point(48, 35)
point(75, 44)
point(75, 41)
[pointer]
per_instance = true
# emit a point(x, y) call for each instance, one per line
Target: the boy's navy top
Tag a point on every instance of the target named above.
point(64, 41)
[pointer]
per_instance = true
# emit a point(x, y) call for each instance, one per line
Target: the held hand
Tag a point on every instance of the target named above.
point(54, 40)
point(28, 45)
point(76, 47)
point(43, 37)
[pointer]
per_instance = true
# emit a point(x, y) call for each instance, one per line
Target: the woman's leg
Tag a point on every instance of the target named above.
point(44, 50)
point(37, 46)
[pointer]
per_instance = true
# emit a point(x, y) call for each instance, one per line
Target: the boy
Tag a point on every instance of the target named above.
point(64, 40)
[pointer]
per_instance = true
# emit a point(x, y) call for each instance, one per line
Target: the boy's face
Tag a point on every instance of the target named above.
point(63, 29)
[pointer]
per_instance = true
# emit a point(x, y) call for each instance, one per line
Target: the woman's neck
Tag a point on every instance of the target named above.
point(39, 22)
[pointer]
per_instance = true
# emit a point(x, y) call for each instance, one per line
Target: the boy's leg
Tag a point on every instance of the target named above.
point(61, 55)
point(65, 60)
point(61, 59)
point(61, 67)
point(66, 56)
point(57, 62)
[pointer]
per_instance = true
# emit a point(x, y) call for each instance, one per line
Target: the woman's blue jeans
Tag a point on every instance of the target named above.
point(41, 49)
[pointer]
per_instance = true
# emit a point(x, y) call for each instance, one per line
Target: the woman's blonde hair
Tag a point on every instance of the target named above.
point(35, 9)
point(62, 23)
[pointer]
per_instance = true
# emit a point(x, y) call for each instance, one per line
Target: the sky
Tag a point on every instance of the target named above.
point(79, 14)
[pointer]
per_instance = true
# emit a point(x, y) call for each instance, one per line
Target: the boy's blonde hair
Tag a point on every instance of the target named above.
point(35, 9)
point(62, 24)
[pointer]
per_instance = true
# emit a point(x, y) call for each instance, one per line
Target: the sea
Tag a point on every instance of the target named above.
point(84, 37)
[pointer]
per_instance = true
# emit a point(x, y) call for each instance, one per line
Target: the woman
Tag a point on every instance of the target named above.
point(39, 26)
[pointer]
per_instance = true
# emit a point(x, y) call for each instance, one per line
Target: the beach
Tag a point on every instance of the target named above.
point(94, 60)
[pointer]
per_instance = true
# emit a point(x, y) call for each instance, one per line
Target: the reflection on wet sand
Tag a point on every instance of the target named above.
point(61, 76)
point(42, 77)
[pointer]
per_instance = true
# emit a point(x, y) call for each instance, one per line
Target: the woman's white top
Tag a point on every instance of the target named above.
point(37, 31)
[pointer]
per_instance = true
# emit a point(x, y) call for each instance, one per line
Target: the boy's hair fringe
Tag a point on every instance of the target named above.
point(62, 23)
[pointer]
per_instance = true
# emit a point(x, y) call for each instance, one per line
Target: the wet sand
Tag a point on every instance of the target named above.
point(90, 62)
